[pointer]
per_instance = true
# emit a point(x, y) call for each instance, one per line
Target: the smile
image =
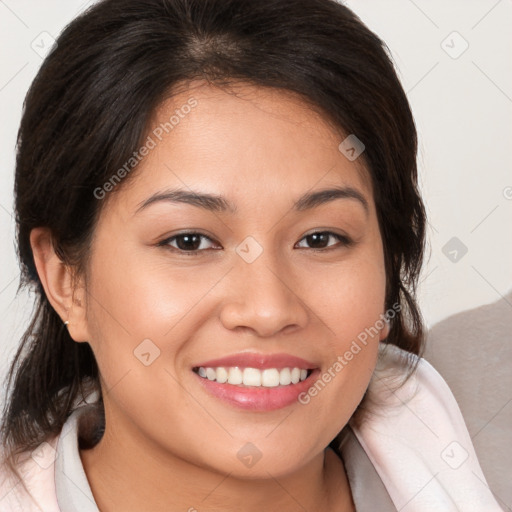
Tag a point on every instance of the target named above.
point(254, 377)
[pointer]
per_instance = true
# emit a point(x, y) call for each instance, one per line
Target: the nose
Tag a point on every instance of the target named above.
point(263, 298)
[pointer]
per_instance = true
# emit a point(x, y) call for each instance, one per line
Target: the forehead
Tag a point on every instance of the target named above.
point(246, 141)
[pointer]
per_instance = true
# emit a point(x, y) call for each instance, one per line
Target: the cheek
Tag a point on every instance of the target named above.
point(349, 299)
point(139, 306)
point(350, 304)
point(135, 295)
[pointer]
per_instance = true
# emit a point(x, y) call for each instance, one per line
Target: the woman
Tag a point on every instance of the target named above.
point(217, 207)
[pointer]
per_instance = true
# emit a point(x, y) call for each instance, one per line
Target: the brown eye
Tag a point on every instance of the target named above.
point(320, 240)
point(187, 242)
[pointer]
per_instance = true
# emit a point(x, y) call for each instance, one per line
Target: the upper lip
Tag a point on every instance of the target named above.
point(260, 361)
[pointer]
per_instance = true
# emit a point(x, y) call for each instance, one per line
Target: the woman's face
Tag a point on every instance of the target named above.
point(176, 282)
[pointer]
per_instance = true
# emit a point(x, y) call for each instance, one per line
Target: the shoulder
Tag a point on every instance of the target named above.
point(411, 428)
point(34, 489)
point(404, 379)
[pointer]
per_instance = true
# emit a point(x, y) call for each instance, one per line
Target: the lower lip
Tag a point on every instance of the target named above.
point(258, 398)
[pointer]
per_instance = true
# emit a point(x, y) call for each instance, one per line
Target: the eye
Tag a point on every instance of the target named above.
point(320, 240)
point(193, 243)
point(189, 242)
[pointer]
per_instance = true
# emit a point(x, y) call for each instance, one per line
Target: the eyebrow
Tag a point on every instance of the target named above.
point(218, 203)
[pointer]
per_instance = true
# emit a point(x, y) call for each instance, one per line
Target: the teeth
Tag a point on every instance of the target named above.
point(267, 378)
point(235, 376)
point(270, 378)
point(252, 377)
point(285, 377)
point(221, 375)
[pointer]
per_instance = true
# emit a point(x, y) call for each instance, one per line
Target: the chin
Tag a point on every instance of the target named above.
point(249, 462)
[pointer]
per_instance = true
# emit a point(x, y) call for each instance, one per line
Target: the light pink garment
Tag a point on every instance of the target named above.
point(417, 440)
point(414, 436)
point(39, 481)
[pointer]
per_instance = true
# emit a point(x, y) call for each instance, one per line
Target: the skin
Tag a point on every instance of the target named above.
point(169, 445)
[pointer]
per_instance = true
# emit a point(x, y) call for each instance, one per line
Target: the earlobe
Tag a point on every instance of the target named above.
point(384, 333)
point(57, 280)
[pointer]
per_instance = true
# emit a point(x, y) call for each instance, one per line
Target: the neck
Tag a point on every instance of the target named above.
point(129, 473)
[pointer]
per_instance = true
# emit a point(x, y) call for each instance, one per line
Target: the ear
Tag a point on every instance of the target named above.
point(384, 332)
point(67, 298)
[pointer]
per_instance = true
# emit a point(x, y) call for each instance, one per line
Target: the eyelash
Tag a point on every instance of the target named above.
point(344, 241)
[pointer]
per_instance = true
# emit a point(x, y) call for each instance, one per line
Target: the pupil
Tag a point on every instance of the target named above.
point(316, 237)
point(188, 242)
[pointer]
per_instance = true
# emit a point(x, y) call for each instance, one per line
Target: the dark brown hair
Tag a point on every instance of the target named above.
point(88, 110)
